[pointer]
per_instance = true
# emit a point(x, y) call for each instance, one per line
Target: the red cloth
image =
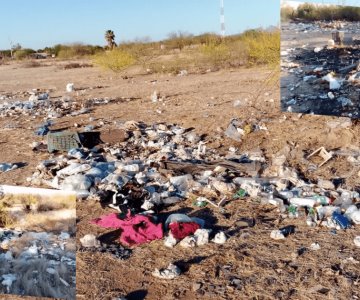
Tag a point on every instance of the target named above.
point(136, 229)
point(180, 230)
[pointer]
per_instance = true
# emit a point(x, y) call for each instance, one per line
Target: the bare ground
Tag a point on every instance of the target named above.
point(250, 265)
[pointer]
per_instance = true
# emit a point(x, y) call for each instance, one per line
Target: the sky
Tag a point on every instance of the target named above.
point(40, 23)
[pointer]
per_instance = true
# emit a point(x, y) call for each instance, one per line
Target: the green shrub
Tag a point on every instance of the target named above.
point(115, 60)
point(73, 50)
point(23, 53)
point(216, 54)
point(262, 47)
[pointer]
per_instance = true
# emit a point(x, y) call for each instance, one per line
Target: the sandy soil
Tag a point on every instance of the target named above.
point(250, 265)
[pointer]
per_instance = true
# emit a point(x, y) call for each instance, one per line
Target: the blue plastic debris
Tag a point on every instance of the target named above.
point(44, 129)
point(341, 220)
point(76, 153)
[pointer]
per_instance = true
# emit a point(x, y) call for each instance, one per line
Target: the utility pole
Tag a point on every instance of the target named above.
point(11, 47)
point(222, 19)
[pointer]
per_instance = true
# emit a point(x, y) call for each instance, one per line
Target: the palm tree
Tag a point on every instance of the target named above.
point(110, 39)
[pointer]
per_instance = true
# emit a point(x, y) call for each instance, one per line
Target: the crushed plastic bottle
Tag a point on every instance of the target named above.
point(341, 220)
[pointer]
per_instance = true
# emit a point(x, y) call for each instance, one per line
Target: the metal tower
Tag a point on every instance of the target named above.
point(222, 19)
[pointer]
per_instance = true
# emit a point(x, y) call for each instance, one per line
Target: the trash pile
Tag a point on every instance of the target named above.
point(323, 26)
point(40, 104)
point(6, 167)
point(326, 79)
point(159, 165)
point(37, 264)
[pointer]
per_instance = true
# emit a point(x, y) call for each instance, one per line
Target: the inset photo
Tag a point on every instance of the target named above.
point(320, 58)
point(37, 242)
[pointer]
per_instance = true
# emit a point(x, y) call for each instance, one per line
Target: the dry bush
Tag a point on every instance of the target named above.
point(31, 64)
point(311, 12)
point(76, 66)
point(262, 47)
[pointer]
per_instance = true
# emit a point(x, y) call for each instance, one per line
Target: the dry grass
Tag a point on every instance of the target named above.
point(254, 47)
point(76, 66)
point(38, 213)
point(31, 64)
point(311, 12)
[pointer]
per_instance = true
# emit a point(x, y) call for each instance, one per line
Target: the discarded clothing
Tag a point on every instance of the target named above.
point(136, 230)
point(182, 230)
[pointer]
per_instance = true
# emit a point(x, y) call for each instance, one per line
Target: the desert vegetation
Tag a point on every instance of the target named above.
point(195, 53)
point(180, 51)
point(312, 12)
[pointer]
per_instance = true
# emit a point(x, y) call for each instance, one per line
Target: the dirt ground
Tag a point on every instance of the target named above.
point(250, 265)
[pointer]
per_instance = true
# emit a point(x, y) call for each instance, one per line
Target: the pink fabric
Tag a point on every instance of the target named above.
point(180, 230)
point(136, 229)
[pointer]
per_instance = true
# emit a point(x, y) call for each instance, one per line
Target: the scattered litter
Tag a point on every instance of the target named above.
point(325, 155)
point(8, 279)
point(70, 87)
point(357, 241)
point(282, 233)
point(89, 240)
point(171, 272)
point(220, 238)
point(5, 167)
point(170, 241)
point(315, 247)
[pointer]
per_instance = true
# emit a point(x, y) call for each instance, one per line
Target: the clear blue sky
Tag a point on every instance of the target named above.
point(39, 23)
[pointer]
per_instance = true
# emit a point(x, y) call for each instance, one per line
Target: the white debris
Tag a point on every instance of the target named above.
point(77, 182)
point(50, 270)
point(357, 241)
point(335, 84)
point(307, 78)
point(188, 242)
point(331, 43)
point(277, 235)
point(8, 256)
point(154, 97)
point(353, 213)
point(33, 98)
point(89, 240)
point(202, 236)
point(8, 279)
point(171, 272)
point(32, 251)
point(170, 241)
point(64, 236)
point(219, 238)
point(183, 73)
point(331, 95)
point(70, 87)
point(345, 101)
point(64, 282)
point(315, 246)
